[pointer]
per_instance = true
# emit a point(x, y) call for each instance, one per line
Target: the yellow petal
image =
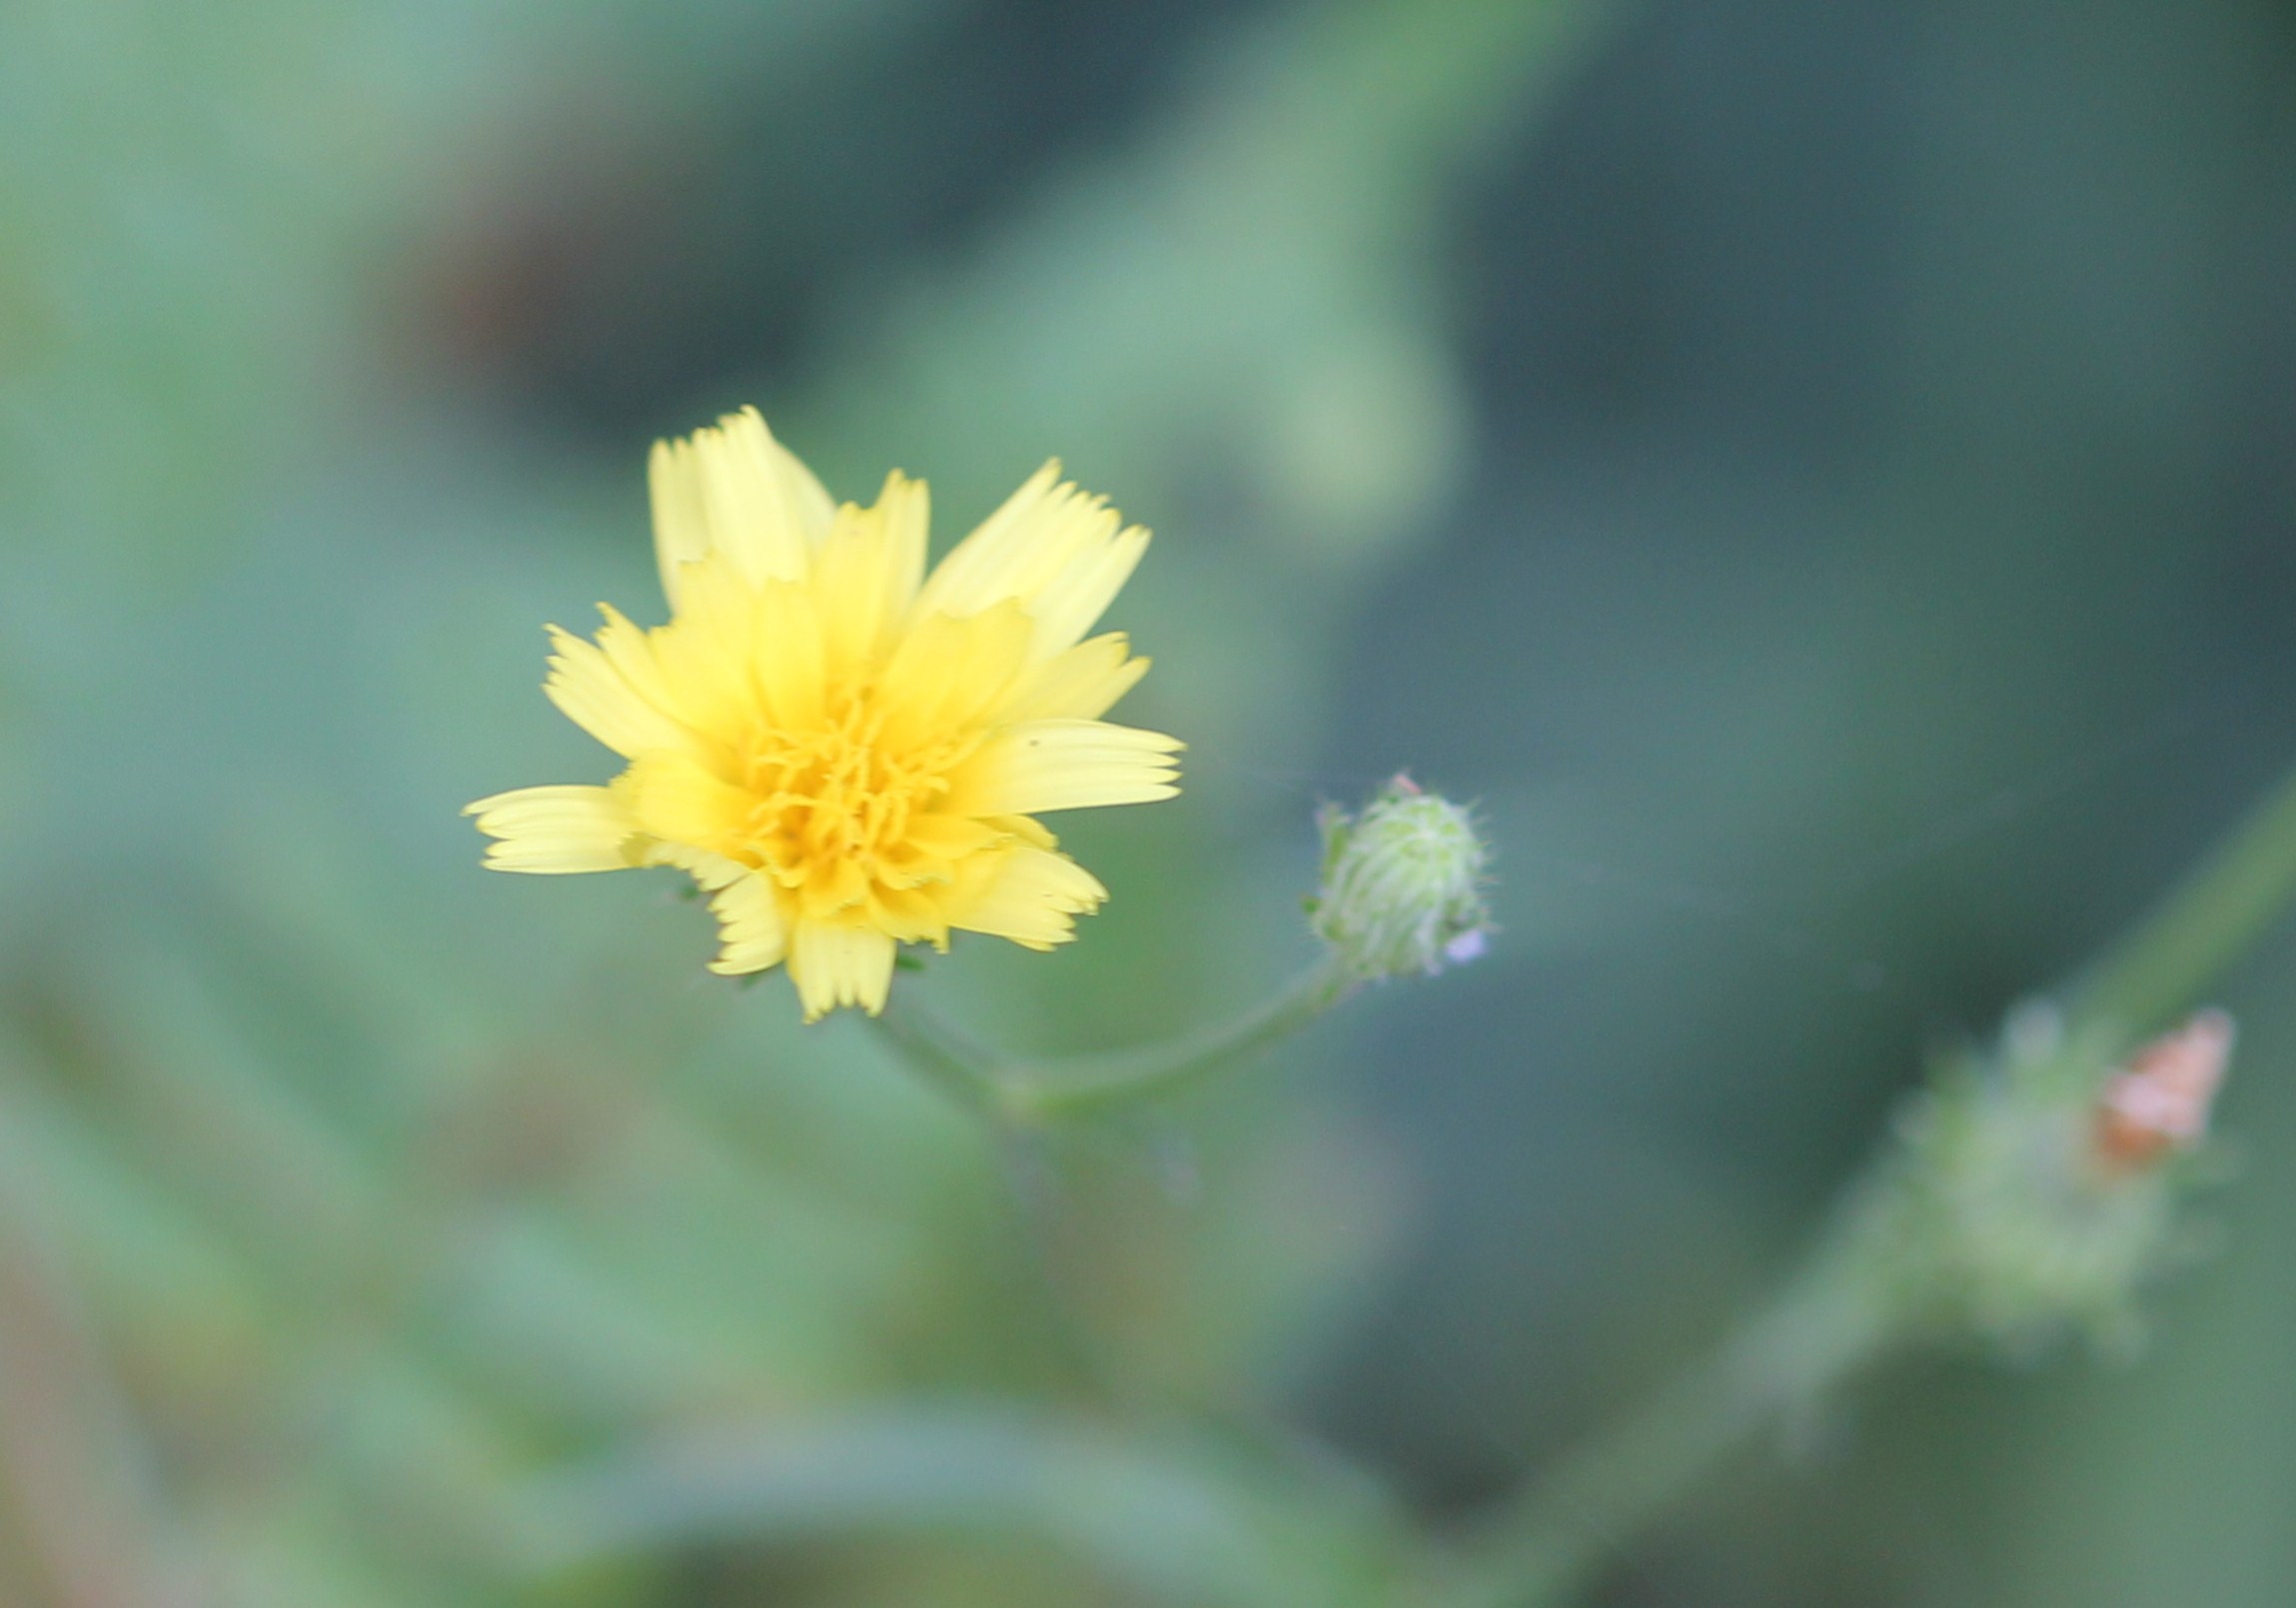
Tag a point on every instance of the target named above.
point(868, 571)
point(908, 917)
point(629, 653)
point(1072, 602)
point(586, 685)
point(1059, 552)
point(1078, 684)
point(1033, 832)
point(675, 798)
point(948, 673)
point(788, 659)
point(839, 966)
point(680, 523)
point(1033, 898)
point(704, 654)
point(734, 491)
point(709, 871)
point(987, 567)
point(950, 837)
point(1065, 765)
point(557, 831)
point(827, 889)
point(750, 924)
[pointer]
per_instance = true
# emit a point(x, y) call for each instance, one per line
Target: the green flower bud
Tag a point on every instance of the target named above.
point(1401, 885)
point(2026, 1205)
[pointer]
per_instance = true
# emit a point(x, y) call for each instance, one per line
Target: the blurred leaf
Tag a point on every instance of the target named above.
point(1168, 1515)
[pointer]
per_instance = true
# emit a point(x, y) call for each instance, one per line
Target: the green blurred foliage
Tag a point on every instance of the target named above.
point(373, 1232)
point(357, 1193)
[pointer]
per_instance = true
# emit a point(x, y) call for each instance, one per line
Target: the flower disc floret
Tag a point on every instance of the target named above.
point(845, 753)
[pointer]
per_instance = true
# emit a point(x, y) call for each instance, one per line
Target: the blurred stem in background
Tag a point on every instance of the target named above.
point(1989, 1217)
point(2206, 926)
point(1552, 1538)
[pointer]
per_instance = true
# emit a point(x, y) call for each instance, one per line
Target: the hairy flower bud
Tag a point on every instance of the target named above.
point(2025, 1205)
point(1401, 885)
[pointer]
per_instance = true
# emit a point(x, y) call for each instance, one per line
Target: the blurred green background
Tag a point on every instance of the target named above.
point(1821, 475)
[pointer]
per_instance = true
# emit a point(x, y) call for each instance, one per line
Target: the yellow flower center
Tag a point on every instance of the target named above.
point(837, 808)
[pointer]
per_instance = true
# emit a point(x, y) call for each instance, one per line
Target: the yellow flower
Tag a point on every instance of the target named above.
point(845, 753)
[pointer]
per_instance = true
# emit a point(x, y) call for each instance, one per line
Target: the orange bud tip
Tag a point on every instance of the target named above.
point(2161, 1098)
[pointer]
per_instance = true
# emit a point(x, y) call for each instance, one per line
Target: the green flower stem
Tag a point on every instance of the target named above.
point(1084, 1085)
point(1021, 1101)
point(1032, 1092)
point(1545, 1544)
point(2202, 927)
point(945, 1056)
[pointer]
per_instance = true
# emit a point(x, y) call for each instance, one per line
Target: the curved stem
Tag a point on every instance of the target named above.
point(945, 1056)
point(1010, 1092)
point(1080, 1085)
point(1020, 1100)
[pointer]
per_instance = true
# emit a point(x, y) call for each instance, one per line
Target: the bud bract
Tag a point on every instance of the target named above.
point(1402, 885)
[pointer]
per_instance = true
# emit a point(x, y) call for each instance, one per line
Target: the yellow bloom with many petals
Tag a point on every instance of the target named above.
point(845, 753)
